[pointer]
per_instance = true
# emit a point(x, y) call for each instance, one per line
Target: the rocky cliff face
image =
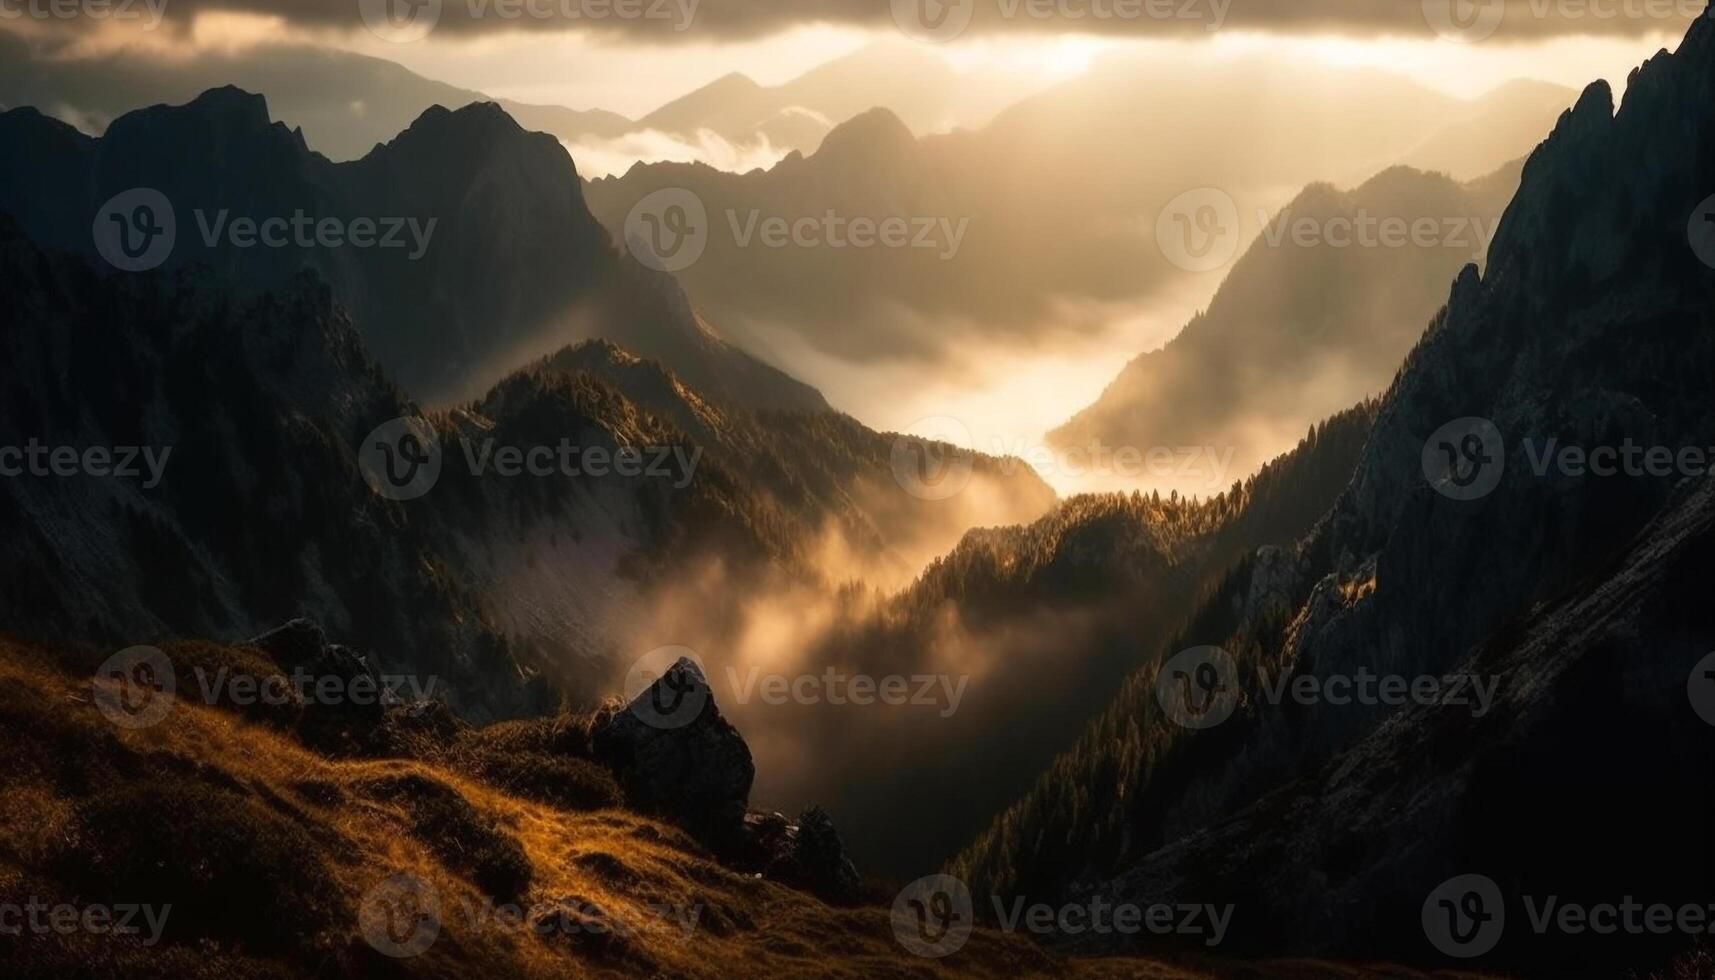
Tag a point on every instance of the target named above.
point(1329, 825)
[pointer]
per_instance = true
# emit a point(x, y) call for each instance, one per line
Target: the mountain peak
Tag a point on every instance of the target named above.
point(227, 109)
point(878, 132)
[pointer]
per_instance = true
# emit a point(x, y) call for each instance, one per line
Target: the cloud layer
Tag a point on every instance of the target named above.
point(666, 21)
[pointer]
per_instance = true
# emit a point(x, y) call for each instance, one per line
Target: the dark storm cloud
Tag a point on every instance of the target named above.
point(670, 20)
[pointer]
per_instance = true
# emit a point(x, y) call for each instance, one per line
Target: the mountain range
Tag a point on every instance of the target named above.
point(503, 263)
point(1038, 226)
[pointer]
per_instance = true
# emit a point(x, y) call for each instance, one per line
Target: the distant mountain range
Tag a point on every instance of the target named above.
point(1571, 593)
point(1040, 225)
point(347, 103)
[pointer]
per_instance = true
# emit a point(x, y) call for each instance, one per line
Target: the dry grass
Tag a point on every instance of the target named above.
point(256, 819)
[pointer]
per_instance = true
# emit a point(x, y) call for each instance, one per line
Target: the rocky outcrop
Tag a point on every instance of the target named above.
point(675, 755)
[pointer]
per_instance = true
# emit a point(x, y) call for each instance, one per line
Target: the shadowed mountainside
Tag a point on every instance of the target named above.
point(1573, 592)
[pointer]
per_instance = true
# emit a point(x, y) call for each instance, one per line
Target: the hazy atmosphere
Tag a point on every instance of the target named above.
point(703, 488)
